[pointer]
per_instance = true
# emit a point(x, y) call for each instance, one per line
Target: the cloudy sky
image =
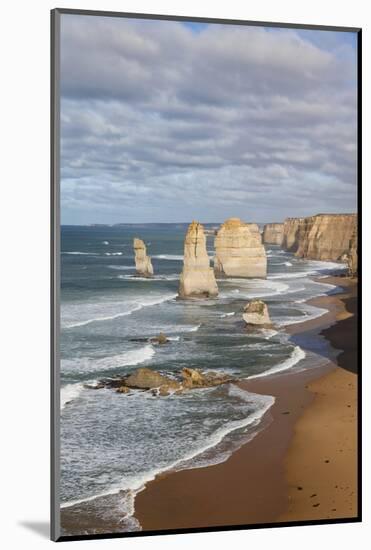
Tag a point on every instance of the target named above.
point(169, 121)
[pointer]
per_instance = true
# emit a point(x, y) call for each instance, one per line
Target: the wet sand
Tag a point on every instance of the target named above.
point(309, 423)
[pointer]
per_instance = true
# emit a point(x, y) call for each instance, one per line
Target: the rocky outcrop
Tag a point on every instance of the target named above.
point(320, 237)
point(160, 339)
point(239, 251)
point(197, 279)
point(273, 233)
point(146, 379)
point(158, 384)
point(143, 264)
point(256, 313)
point(193, 378)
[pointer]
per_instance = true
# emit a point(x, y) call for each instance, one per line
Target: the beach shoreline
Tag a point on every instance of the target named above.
point(212, 496)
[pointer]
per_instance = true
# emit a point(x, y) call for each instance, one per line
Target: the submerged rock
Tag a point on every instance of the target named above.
point(160, 339)
point(239, 251)
point(143, 264)
point(197, 279)
point(256, 313)
point(123, 389)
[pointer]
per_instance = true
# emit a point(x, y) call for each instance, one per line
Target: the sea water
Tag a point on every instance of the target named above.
point(112, 444)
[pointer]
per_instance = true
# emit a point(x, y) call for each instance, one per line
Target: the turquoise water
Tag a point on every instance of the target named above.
point(111, 442)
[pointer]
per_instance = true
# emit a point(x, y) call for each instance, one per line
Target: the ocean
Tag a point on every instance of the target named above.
point(112, 444)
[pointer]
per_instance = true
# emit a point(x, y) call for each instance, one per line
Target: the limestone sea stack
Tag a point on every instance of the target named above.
point(239, 251)
point(197, 279)
point(256, 313)
point(273, 233)
point(143, 264)
point(325, 237)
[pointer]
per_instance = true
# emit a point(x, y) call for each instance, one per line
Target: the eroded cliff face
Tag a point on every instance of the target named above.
point(143, 264)
point(353, 254)
point(239, 251)
point(320, 237)
point(197, 279)
point(273, 233)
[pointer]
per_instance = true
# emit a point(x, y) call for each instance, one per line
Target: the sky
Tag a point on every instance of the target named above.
point(166, 121)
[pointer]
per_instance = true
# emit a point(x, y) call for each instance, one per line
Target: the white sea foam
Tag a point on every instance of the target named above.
point(254, 288)
point(136, 484)
point(168, 257)
point(122, 267)
point(174, 277)
point(289, 264)
point(228, 314)
point(268, 333)
point(81, 253)
point(69, 392)
point(297, 355)
point(113, 253)
point(128, 309)
point(105, 242)
point(310, 312)
point(92, 364)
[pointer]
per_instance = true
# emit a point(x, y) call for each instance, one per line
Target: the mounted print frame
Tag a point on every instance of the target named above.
point(206, 197)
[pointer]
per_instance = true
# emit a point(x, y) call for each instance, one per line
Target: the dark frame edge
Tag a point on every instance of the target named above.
point(195, 19)
point(359, 286)
point(54, 274)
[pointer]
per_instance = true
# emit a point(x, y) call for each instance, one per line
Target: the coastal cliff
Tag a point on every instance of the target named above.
point(143, 264)
point(239, 251)
point(197, 279)
point(353, 253)
point(320, 237)
point(273, 233)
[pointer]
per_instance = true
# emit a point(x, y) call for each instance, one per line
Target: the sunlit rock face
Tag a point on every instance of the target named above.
point(239, 251)
point(197, 279)
point(143, 264)
point(320, 237)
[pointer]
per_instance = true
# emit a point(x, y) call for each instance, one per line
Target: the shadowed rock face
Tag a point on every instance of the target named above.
point(239, 251)
point(143, 264)
point(197, 279)
point(290, 233)
point(273, 233)
point(321, 237)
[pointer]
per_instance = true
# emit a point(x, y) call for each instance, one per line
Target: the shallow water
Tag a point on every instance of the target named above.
point(111, 442)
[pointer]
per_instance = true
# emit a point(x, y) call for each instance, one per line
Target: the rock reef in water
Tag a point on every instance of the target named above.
point(197, 279)
point(239, 251)
point(273, 233)
point(143, 264)
point(326, 237)
point(256, 313)
point(149, 379)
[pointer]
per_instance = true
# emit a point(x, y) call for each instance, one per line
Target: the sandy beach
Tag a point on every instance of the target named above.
point(302, 466)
